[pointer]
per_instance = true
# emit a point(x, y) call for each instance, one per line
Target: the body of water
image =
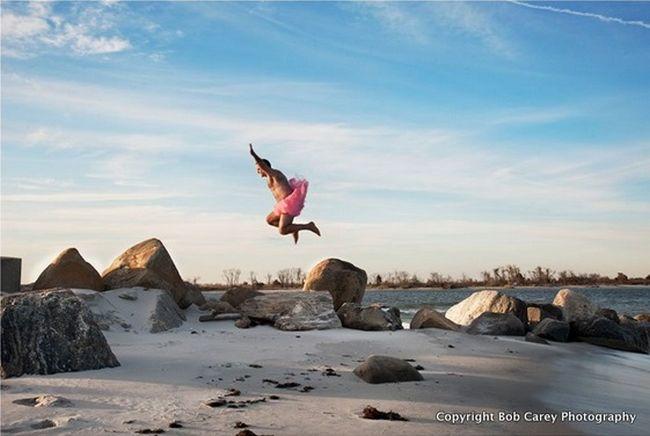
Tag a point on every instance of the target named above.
point(629, 300)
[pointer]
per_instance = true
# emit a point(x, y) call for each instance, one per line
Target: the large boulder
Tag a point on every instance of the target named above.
point(607, 333)
point(537, 312)
point(480, 302)
point(235, 297)
point(427, 318)
point(344, 281)
point(149, 265)
point(69, 270)
point(386, 369)
point(371, 318)
point(575, 306)
point(134, 309)
point(553, 329)
point(292, 310)
point(500, 324)
point(49, 332)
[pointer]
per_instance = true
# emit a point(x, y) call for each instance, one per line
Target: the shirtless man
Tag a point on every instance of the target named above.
point(290, 196)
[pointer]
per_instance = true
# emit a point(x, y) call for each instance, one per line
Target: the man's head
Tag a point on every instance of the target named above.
point(259, 169)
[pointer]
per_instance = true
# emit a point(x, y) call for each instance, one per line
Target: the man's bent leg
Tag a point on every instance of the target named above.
point(286, 226)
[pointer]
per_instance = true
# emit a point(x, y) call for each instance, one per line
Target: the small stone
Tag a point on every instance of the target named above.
point(240, 424)
point(254, 365)
point(175, 424)
point(220, 402)
point(150, 431)
point(274, 397)
point(288, 385)
point(232, 392)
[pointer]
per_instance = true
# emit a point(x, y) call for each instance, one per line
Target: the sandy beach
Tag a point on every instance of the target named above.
point(168, 377)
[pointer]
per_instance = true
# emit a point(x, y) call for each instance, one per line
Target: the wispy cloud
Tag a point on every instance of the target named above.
point(604, 18)
point(426, 23)
point(89, 31)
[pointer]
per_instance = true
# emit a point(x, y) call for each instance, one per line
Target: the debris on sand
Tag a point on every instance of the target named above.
point(372, 413)
point(288, 385)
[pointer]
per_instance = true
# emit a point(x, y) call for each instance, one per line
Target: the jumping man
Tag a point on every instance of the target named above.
point(290, 196)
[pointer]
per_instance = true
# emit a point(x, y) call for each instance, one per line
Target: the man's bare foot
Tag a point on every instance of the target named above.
point(295, 237)
point(313, 228)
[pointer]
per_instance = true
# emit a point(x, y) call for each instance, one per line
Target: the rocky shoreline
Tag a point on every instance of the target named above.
point(140, 304)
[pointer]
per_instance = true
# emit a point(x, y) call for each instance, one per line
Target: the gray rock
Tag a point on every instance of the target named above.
point(427, 317)
point(344, 281)
point(149, 265)
point(10, 277)
point(553, 329)
point(609, 314)
point(531, 337)
point(220, 317)
point(235, 297)
point(166, 314)
point(607, 333)
point(386, 369)
point(44, 401)
point(537, 312)
point(218, 307)
point(244, 323)
point(480, 302)
point(50, 332)
point(575, 306)
point(151, 310)
point(292, 310)
point(499, 324)
point(370, 318)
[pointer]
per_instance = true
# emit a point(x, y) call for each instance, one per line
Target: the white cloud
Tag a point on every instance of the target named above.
point(39, 28)
point(600, 17)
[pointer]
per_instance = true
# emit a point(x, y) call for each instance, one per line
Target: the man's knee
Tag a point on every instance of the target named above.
point(284, 230)
point(272, 220)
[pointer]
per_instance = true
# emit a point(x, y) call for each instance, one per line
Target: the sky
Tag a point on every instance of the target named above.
point(437, 137)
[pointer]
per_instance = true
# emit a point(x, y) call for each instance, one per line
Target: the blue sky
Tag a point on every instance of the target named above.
point(449, 137)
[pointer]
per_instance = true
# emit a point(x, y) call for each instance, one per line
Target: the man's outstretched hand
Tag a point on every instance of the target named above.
point(250, 149)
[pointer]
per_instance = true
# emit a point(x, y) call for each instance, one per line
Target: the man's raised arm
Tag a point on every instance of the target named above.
point(259, 160)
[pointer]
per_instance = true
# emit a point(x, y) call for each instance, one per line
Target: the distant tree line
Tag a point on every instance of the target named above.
point(508, 275)
point(285, 278)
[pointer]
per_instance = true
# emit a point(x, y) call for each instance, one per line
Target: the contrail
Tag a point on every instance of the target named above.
point(584, 14)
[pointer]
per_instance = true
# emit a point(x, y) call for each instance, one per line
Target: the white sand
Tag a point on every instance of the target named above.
point(167, 376)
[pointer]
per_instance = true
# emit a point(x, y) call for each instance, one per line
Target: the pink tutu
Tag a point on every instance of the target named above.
point(293, 203)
